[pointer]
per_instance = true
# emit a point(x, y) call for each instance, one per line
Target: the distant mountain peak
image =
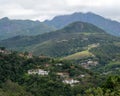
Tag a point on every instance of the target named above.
point(13, 27)
point(110, 26)
point(5, 18)
point(82, 27)
point(83, 13)
point(90, 13)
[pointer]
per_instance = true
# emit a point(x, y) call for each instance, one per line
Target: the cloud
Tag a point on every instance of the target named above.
point(47, 9)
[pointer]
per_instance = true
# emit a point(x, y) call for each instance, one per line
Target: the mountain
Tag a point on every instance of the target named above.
point(74, 30)
point(79, 41)
point(10, 28)
point(72, 38)
point(110, 26)
point(88, 63)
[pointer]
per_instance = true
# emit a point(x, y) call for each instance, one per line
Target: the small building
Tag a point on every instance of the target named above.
point(63, 74)
point(1, 51)
point(5, 51)
point(47, 65)
point(82, 75)
point(89, 63)
point(21, 55)
point(29, 55)
point(70, 81)
point(59, 64)
point(38, 71)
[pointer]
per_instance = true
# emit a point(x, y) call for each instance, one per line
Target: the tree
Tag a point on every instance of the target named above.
point(2, 48)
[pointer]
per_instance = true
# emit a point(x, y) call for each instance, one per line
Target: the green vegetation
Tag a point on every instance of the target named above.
point(90, 57)
point(80, 42)
point(15, 81)
point(109, 88)
point(79, 55)
point(82, 54)
point(107, 53)
point(61, 43)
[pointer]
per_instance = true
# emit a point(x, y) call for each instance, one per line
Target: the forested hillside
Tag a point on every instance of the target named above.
point(16, 81)
point(81, 43)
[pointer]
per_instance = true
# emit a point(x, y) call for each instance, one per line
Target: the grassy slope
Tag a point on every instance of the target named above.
point(81, 54)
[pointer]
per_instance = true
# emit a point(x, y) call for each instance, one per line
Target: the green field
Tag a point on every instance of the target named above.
point(81, 54)
point(78, 55)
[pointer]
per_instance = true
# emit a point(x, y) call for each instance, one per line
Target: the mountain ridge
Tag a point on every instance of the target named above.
point(110, 26)
point(10, 28)
point(65, 41)
point(71, 30)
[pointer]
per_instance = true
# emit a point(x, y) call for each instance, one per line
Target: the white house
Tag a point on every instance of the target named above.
point(5, 51)
point(82, 75)
point(38, 71)
point(59, 64)
point(70, 81)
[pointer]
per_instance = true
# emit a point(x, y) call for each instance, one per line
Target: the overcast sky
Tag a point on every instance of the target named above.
point(47, 9)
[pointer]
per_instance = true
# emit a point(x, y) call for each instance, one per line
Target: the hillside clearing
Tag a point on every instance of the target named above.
point(79, 55)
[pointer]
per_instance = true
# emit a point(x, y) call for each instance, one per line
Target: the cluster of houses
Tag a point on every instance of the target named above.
point(38, 71)
point(64, 75)
point(29, 55)
point(67, 80)
point(70, 81)
point(87, 64)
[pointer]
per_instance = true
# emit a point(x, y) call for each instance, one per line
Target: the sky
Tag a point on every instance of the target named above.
point(47, 9)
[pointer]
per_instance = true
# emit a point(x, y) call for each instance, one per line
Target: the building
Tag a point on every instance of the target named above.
point(59, 64)
point(38, 71)
point(47, 65)
point(29, 55)
point(1, 51)
point(5, 51)
point(82, 75)
point(70, 81)
point(63, 74)
point(89, 63)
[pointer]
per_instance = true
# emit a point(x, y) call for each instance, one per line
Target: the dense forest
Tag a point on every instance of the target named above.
point(15, 80)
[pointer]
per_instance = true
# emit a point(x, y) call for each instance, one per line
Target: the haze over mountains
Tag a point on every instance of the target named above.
point(10, 28)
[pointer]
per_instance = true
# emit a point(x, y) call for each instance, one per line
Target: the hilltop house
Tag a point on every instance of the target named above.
point(38, 71)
